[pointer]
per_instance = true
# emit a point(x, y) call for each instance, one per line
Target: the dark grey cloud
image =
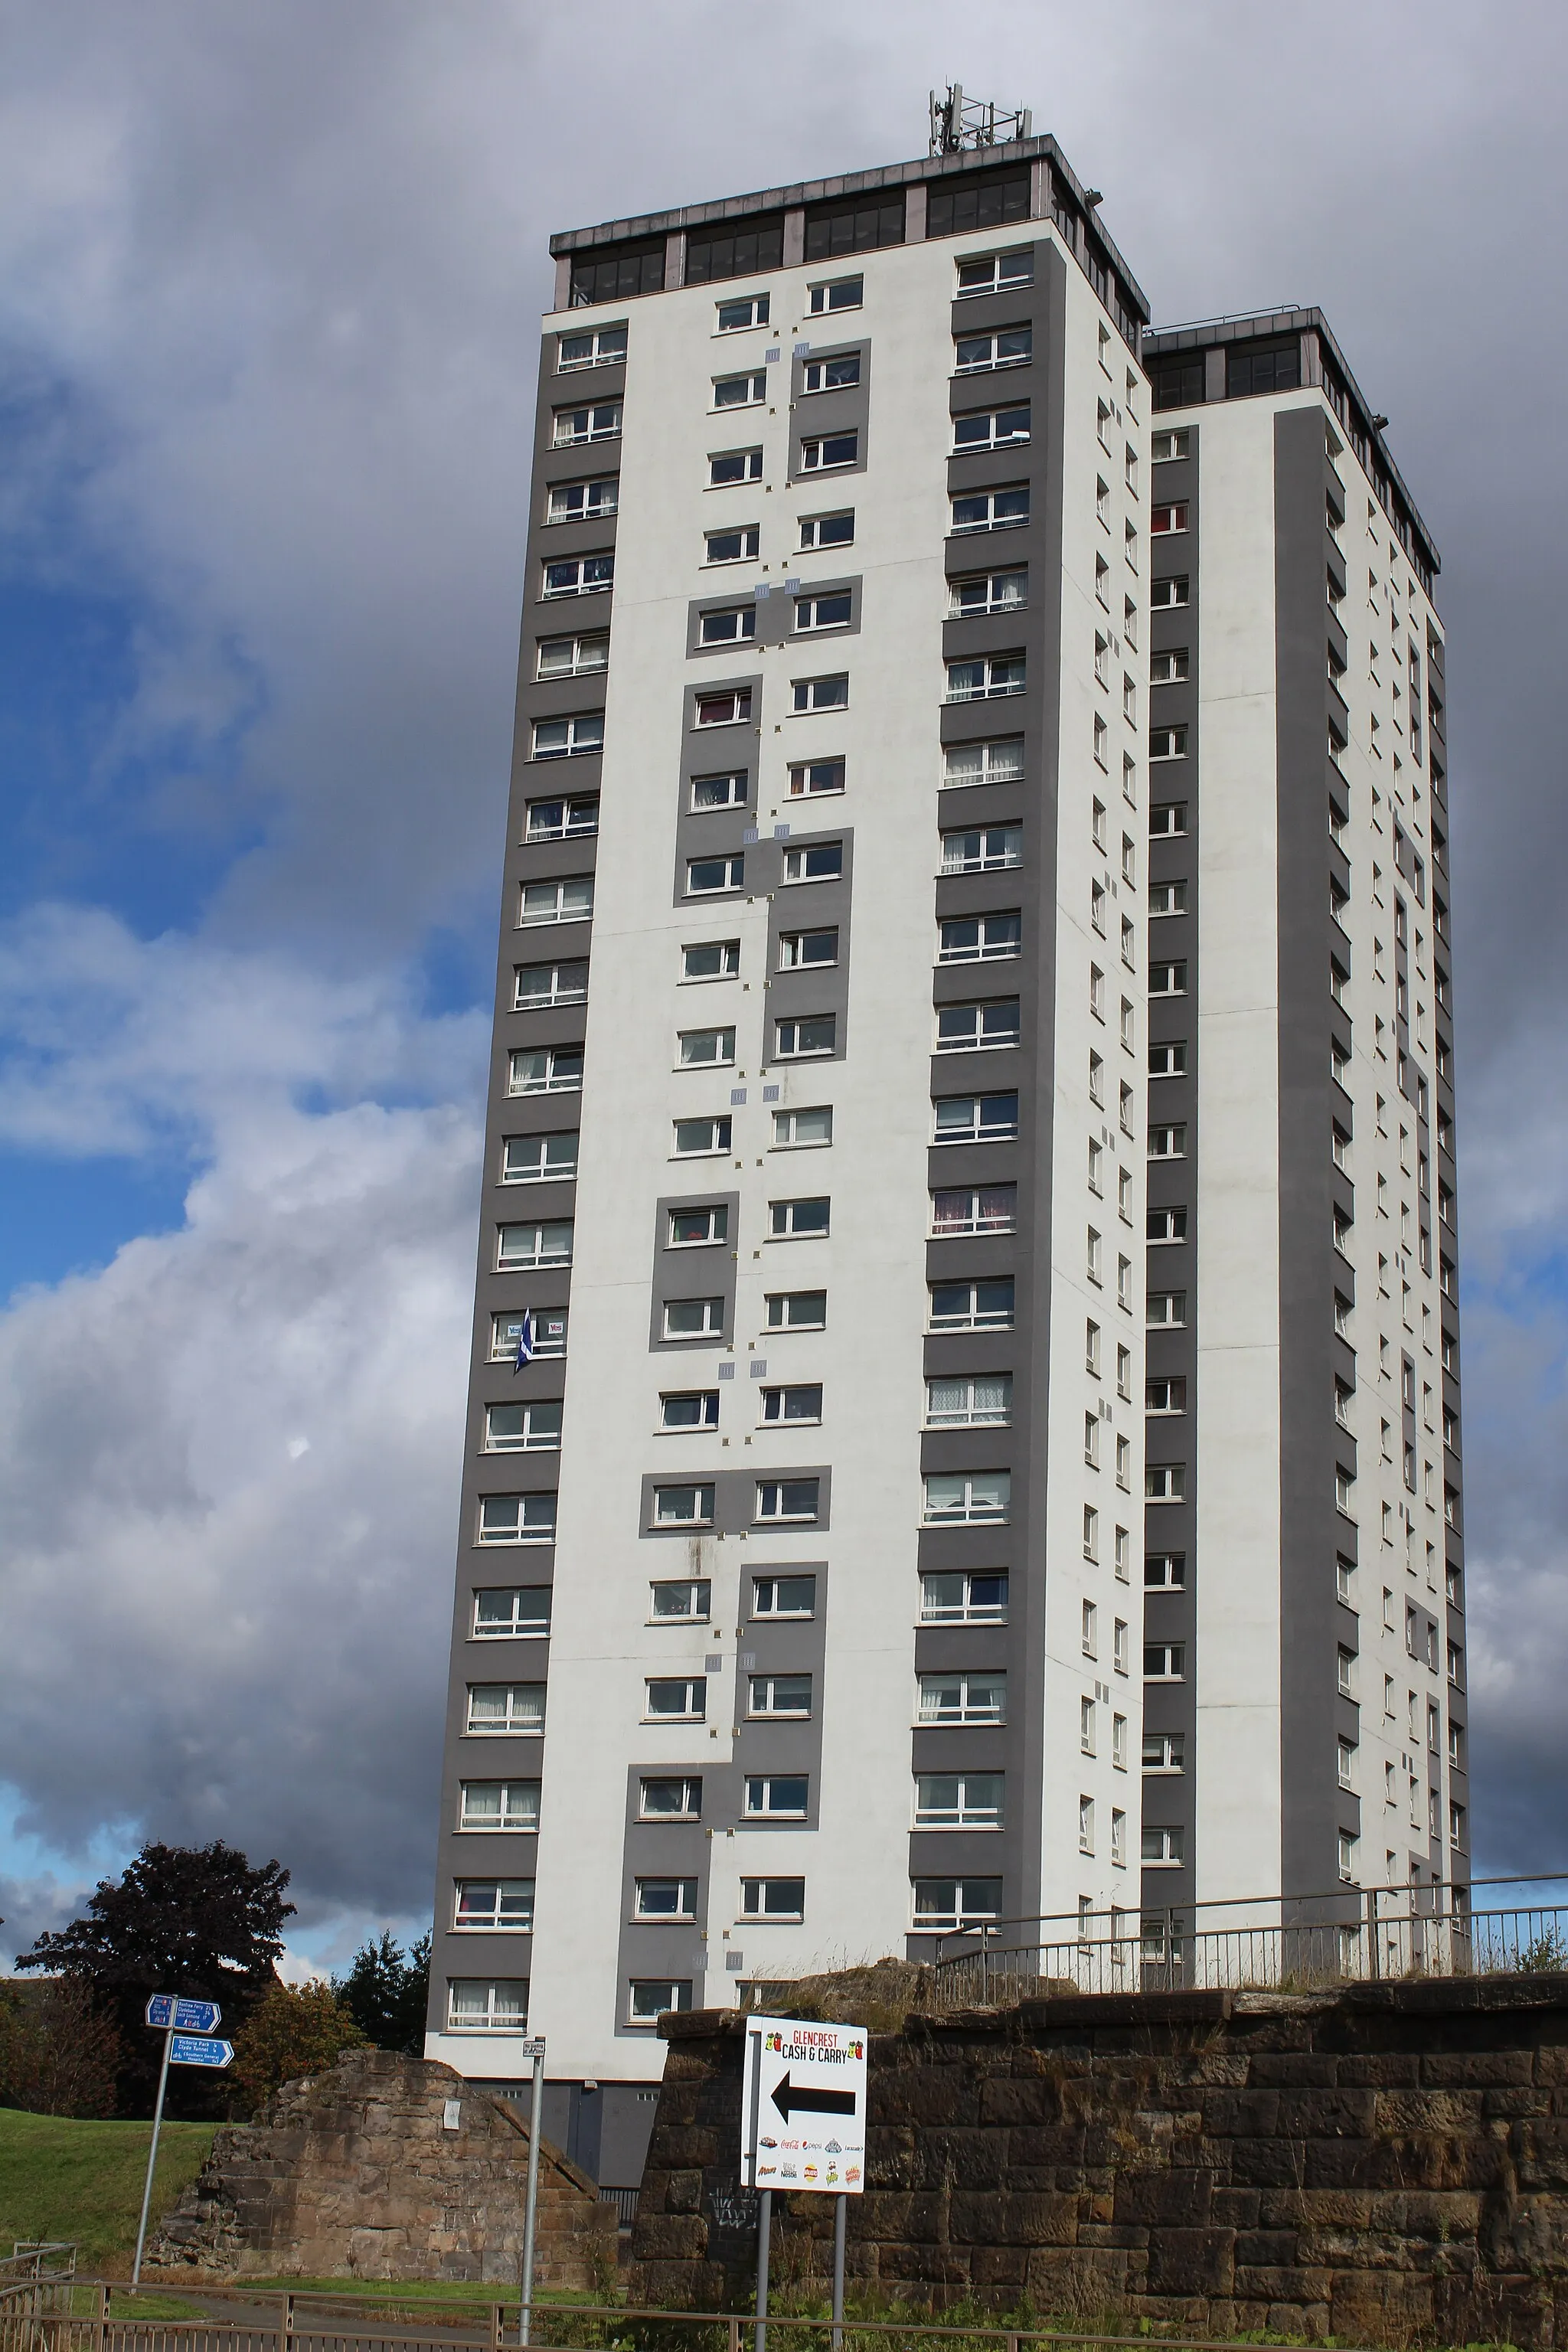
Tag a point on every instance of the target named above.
point(278, 272)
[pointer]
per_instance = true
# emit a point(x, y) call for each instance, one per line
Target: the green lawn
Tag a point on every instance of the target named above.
point(64, 2178)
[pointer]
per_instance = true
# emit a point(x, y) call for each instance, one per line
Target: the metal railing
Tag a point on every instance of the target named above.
point(1294, 1943)
point(37, 2280)
point(236, 2322)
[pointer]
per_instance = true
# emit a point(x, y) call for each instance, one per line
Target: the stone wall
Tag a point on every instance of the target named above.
point(1382, 2163)
point(385, 2168)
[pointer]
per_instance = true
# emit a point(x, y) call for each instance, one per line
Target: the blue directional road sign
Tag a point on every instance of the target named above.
point(168, 2009)
point(199, 2050)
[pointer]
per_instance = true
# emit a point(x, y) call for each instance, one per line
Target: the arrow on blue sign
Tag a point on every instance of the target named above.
point(199, 2050)
point(173, 2010)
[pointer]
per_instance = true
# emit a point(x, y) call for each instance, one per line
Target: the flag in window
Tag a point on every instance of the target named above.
point(524, 1340)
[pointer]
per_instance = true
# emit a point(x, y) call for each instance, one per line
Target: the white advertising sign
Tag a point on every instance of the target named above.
point(803, 2106)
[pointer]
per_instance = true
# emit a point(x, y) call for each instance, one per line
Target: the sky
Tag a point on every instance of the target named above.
point(270, 288)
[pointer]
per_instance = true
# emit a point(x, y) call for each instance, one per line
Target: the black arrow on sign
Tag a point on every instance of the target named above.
point(817, 2103)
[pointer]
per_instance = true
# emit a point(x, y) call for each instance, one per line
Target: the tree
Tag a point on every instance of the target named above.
point(293, 2030)
point(386, 1991)
point(59, 2054)
point(184, 1919)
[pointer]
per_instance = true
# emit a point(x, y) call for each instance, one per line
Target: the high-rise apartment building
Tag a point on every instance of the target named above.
point(843, 992)
point(1304, 1659)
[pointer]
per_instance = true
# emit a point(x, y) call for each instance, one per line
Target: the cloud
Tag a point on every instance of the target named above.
point(214, 1629)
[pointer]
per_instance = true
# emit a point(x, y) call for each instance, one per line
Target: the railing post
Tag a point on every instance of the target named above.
point(286, 2326)
point(734, 2344)
point(496, 2316)
point(1375, 1961)
point(101, 2318)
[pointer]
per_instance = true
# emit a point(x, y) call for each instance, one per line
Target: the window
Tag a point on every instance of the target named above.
point(706, 875)
point(1167, 742)
point(1169, 668)
point(683, 1507)
point(990, 428)
point(783, 1596)
point(799, 1040)
point(1000, 347)
point(993, 273)
point(963, 1597)
point(831, 374)
point(683, 1599)
point(975, 1118)
point(952, 1902)
point(772, 1898)
point(984, 679)
point(591, 501)
point(537, 987)
point(1164, 447)
point(504, 1612)
point(999, 509)
point(580, 575)
point(958, 1801)
point(505, 1708)
point(1169, 1060)
point(711, 959)
point(1086, 1825)
point(548, 1243)
point(665, 1898)
point(972, 1028)
point(732, 626)
point(598, 420)
point(829, 529)
point(1167, 1143)
point(532, 1428)
point(799, 1129)
point(497, 1903)
point(797, 1310)
point(959, 1697)
point(798, 1220)
point(1163, 1849)
point(969, 1401)
point(693, 1318)
point(1167, 1310)
point(1166, 1481)
point(498, 1805)
point(552, 1070)
point(601, 347)
point(678, 1698)
point(837, 294)
point(538, 1158)
point(486, 2004)
point(744, 309)
point(694, 1226)
point(833, 611)
point(1275, 367)
point(799, 950)
point(819, 861)
point(776, 1796)
point(1162, 520)
point(1170, 593)
point(577, 656)
point(988, 592)
point(690, 1409)
point(1349, 1845)
point(650, 1998)
point(697, 1137)
point(547, 1330)
point(1164, 1571)
point(779, 1695)
point(980, 938)
point(1167, 980)
point(706, 1049)
point(821, 693)
point(969, 1498)
point(823, 454)
point(741, 391)
point(518, 1517)
point(1167, 898)
point(569, 738)
point(1165, 1396)
point(977, 1208)
point(730, 709)
point(997, 762)
point(983, 849)
point(568, 901)
point(799, 1404)
point(727, 466)
point(1165, 1751)
point(971, 1306)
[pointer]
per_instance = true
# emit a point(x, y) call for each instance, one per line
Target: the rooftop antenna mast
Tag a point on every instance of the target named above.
point(957, 122)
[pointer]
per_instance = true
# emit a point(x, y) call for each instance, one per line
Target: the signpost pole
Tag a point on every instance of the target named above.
point(840, 2217)
point(152, 2156)
point(764, 2232)
point(531, 2204)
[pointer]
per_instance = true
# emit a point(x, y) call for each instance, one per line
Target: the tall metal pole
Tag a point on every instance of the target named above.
point(764, 2232)
point(840, 2216)
point(152, 2156)
point(531, 2207)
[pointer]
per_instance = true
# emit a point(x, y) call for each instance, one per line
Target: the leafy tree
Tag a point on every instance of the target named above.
point(293, 2030)
point(386, 1991)
point(183, 1919)
point(59, 2054)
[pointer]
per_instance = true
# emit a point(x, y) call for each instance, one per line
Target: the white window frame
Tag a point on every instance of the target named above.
point(518, 1722)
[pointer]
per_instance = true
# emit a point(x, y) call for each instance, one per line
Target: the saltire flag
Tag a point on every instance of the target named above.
point(524, 1341)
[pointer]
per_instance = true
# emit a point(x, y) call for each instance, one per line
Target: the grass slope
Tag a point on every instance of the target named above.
point(64, 2178)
